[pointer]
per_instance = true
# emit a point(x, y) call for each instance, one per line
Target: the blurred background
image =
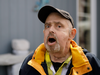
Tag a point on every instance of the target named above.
point(21, 31)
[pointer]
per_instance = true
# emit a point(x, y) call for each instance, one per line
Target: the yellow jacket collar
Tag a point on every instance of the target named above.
point(38, 58)
point(80, 62)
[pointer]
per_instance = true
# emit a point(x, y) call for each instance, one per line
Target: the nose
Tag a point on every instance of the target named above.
point(52, 29)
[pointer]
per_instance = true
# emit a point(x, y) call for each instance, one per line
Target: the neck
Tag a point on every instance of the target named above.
point(59, 57)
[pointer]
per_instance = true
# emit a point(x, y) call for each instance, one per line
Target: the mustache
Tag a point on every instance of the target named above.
point(53, 35)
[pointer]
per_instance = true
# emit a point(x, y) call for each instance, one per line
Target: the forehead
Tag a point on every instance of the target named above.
point(56, 14)
point(56, 17)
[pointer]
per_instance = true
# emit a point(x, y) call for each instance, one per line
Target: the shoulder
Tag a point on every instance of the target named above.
point(94, 61)
point(88, 54)
point(28, 70)
point(25, 67)
point(91, 57)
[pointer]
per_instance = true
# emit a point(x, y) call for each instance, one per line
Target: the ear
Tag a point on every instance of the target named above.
point(72, 33)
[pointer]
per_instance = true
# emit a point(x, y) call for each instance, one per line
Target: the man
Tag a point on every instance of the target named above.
point(59, 54)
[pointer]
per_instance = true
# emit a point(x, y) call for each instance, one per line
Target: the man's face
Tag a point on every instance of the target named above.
point(56, 33)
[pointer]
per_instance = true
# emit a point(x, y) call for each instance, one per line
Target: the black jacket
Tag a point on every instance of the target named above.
point(28, 70)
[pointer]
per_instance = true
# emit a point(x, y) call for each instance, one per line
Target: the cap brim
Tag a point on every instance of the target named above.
point(45, 11)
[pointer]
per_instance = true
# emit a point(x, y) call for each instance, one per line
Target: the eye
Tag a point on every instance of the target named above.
point(59, 26)
point(47, 26)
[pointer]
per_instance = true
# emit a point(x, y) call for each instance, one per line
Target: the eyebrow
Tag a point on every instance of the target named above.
point(59, 23)
point(47, 23)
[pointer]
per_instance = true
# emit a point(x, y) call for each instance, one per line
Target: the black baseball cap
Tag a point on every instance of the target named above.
point(46, 10)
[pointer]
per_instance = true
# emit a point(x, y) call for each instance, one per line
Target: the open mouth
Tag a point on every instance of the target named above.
point(51, 40)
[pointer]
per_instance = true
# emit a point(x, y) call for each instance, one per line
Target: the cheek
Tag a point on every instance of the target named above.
point(45, 36)
point(63, 38)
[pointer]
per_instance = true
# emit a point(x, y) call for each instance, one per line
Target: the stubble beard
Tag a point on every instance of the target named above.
point(54, 48)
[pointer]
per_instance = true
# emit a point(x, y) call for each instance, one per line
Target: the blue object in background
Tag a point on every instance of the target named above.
point(40, 3)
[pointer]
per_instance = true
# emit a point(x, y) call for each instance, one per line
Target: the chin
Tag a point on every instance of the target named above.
point(55, 48)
